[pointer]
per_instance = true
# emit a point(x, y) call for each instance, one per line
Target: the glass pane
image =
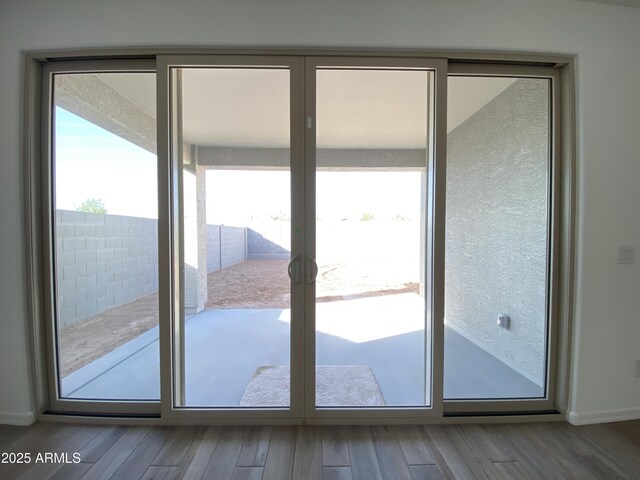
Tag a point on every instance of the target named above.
point(105, 234)
point(372, 332)
point(234, 148)
point(496, 238)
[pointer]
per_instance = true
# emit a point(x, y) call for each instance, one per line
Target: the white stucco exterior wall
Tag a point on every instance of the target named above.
point(605, 38)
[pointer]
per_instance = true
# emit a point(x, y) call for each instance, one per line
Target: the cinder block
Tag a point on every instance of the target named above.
point(66, 315)
point(94, 218)
point(121, 230)
point(69, 216)
point(64, 287)
point(106, 302)
point(86, 256)
point(73, 244)
point(129, 284)
point(114, 287)
point(87, 281)
point(112, 220)
point(123, 297)
point(64, 230)
point(148, 250)
point(86, 309)
point(95, 243)
point(129, 241)
point(105, 254)
point(104, 231)
point(128, 262)
point(105, 278)
point(85, 230)
point(135, 251)
point(141, 260)
point(75, 298)
point(65, 258)
point(122, 274)
point(122, 252)
point(114, 265)
point(95, 268)
point(148, 269)
point(113, 242)
point(73, 271)
point(128, 220)
point(148, 289)
point(96, 292)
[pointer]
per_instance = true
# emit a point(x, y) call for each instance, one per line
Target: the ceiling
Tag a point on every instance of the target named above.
point(355, 108)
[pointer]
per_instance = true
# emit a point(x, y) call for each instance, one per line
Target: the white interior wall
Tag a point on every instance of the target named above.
point(605, 38)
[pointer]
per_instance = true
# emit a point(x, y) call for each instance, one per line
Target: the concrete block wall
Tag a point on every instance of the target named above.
point(269, 240)
point(226, 246)
point(103, 261)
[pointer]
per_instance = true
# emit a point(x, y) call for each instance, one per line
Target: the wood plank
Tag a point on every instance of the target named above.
point(528, 454)
point(364, 461)
point(72, 471)
point(155, 472)
point(335, 448)
point(102, 442)
point(195, 461)
point(336, 473)
point(177, 446)
point(435, 453)
point(615, 451)
point(255, 447)
point(512, 471)
point(225, 457)
point(135, 466)
point(390, 457)
point(479, 463)
point(557, 453)
point(307, 461)
point(425, 472)
point(541, 451)
point(412, 444)
point(481, 437)
point(117, 454)
point(80, 436)
point(44, 439)
point(456, 465)
point(279, 463)
point(248, 473)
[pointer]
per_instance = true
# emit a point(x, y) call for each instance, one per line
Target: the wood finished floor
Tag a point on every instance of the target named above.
point(519, 451)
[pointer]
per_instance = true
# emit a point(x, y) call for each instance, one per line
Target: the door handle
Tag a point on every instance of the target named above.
point(312, 273)
point(294, 269)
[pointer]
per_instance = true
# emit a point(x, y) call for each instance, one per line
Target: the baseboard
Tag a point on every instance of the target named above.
point(603, 416)
point(20, 419)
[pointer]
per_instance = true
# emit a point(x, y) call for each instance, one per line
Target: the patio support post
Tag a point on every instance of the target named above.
point(195, 232)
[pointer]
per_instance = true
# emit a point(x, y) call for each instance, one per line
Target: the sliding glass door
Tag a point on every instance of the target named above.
point(236, 218)
point(237, 236)
point(371, 139)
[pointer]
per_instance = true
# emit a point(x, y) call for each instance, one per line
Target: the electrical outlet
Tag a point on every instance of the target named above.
point(625, 255)
point(637, 368)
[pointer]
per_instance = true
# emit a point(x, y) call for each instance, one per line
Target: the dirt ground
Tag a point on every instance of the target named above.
point(251, 284)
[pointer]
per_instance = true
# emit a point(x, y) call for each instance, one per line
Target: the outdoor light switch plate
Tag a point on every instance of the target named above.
point(504, 321)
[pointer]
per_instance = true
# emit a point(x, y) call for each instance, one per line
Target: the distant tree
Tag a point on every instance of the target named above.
point(92, 205)
point(367, 217)
point(401, 218)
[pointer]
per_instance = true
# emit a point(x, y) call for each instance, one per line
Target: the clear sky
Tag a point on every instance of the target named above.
point(94, 163)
